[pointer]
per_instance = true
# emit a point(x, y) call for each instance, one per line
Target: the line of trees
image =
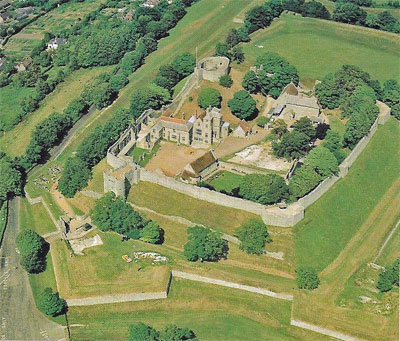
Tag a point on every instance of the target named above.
point(388, 277)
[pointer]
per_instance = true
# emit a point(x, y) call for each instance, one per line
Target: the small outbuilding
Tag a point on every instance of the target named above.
point(200, 168)
point(242, 130)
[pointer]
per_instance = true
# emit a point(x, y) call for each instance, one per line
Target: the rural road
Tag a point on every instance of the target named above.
point(19, 318)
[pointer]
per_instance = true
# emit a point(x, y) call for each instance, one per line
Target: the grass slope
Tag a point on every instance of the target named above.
point(317, 47)
point(35, 218)
point(212, 312)
point(10, 100)
point(333, 220)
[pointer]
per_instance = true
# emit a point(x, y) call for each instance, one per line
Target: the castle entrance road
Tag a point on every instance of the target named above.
point(19, 318)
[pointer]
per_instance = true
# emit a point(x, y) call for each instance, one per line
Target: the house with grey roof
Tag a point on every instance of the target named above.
point(4, 4)
point(54, 43)
point(4, 16)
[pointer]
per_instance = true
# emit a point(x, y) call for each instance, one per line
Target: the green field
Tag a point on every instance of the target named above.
point(35, 217)
point(10, 99)
point(391, 250)
point(226, 181)
point(212, 312)
point(317, 47)
point(331, 221)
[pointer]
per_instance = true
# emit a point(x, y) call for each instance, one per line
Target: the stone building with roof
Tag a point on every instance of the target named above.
point(202, 130)
point(200, 168)
point(293, 105)
point(242, 130)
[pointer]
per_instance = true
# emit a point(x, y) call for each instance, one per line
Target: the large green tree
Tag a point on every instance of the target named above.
point(253, 235)
point(51, 303)
point(32, 249)
point(264, 189)
point(204, 245)
point(174, 333)
point(111, 213)
point(250, 82)
point(209, 97)
point(242, 105)
point(292, 145)
point(184, 64)
point(322, 161)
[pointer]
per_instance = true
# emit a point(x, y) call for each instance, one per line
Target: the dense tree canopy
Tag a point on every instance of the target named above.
point(142, 332)
point(10, 179)
point(242, 105)
point(333, 142)
point(76, 175)
point(305, 126)
point(51, 303)
point(253, 235)
point(314, 9)
point(391, 96)
point(292, 145)
point(151, 96)
point(250, 82)
point(111, 213)
point(264, 189)
point(204, 245)
point(184, 64)
point(349, 13)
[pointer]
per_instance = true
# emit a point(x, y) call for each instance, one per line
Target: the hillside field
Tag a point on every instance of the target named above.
point(317, 47)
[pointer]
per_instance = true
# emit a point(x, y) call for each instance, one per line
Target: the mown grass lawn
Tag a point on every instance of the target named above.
point(212, 312)
point(317, 47)
point(35, 217)
point(226, 181)
point(331, 222)
point(166, 201)
point(10, 102)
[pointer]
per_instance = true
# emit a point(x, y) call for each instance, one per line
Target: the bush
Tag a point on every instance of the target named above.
point(142, 332)
point(253, 235)
point(388, 277)
point(262, 121)
point(204, 245)
point(51, 303)
point(152, 233)
point(209, 97)
point(226, 81)
point(307, 278)
point(264, 189)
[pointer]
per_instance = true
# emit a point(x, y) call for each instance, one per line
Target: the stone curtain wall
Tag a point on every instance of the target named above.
point(347, 163)
point(271, 215)
point(315, 194)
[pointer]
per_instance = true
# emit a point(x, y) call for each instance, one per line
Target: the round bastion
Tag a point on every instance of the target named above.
point(212, 68)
